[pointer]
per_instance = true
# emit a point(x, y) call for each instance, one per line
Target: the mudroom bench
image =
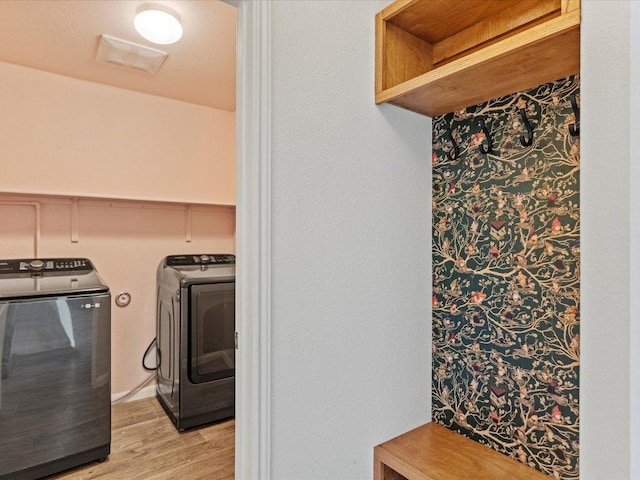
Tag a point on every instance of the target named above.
point(433, 452)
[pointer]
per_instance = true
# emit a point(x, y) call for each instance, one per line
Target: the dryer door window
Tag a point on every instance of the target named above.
point(211, 332)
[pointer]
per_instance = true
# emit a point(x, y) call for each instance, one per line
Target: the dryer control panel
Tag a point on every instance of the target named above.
point(46, 266)
point(204, 259)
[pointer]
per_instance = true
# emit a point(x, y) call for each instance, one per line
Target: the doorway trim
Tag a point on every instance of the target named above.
point(253, 240)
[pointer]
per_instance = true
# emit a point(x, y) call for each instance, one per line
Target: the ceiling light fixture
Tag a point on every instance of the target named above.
point(158, 24)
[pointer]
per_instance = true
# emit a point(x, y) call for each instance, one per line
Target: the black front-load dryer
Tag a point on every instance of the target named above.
point(196, 338)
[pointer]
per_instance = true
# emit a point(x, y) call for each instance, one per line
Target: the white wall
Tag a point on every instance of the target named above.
point(350, 187)
point(89, 139)
point(351, 231)
point(635, 240)
point(605, 190)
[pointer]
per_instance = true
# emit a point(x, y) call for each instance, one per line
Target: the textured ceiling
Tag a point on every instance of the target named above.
point(61, 36)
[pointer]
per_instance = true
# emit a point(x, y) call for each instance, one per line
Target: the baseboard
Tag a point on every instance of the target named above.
point(146, 392)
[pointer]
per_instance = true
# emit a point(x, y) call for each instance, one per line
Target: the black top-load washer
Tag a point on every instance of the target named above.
point(55, 392)
point(196, 338)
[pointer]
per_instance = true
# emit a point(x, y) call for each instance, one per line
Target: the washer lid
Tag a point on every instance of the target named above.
point(22, 278)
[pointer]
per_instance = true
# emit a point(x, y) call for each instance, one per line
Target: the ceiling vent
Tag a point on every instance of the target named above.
point(129, 54)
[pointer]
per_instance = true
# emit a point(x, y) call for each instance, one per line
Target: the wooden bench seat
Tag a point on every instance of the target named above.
point(433, 452)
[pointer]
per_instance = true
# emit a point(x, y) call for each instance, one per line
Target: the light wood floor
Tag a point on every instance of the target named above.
point(146, 446)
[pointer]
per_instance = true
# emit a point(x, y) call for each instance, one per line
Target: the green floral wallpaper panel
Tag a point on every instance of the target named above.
point(506, 277)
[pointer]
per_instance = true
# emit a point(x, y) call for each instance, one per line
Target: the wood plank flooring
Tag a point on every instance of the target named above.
point(146, 446)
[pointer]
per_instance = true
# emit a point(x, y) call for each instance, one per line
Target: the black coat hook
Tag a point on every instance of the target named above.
point(489, 148)
point(528, 140)
point(574, 129)
point(454, 151)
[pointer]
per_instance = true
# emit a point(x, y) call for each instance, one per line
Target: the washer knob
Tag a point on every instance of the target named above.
point(204, 258)
point(37, 264)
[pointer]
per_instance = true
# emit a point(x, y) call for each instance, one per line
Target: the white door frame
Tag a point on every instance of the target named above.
point(253, 240)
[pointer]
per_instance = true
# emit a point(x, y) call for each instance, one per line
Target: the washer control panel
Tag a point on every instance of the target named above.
point(47, 266)
point(204, 259)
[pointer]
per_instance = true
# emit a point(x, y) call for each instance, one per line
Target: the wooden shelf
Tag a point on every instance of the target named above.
point(433, 452)
point(438, 56)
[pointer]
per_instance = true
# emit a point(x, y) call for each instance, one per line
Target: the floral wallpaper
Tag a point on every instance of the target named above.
point(506, 276)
